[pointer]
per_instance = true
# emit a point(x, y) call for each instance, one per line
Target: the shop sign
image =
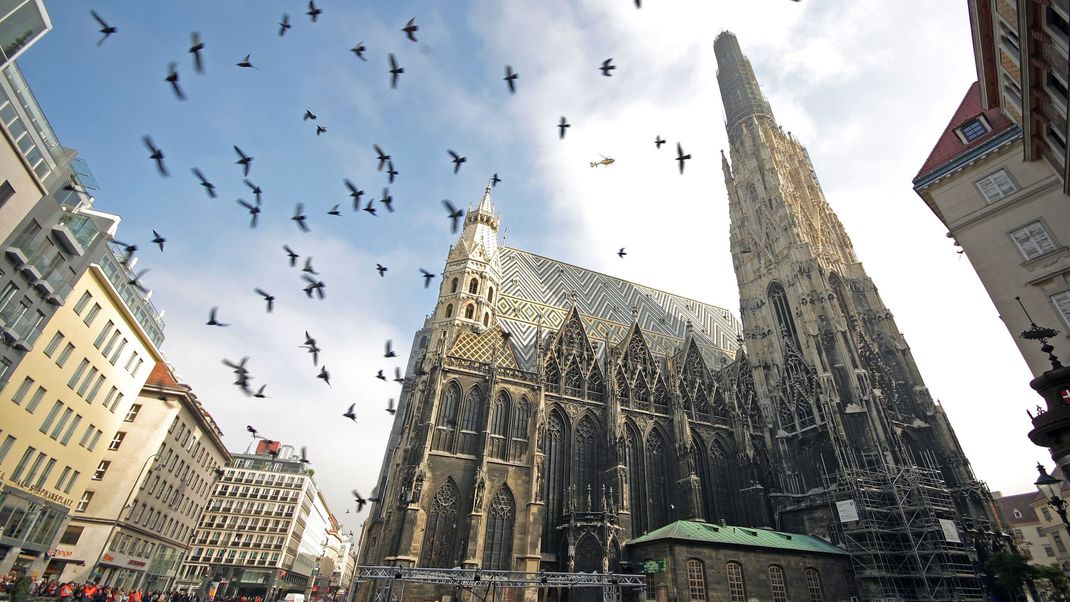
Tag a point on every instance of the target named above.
point(42, 492)
point(135, 562)
point(57, 553)
point(652, 566)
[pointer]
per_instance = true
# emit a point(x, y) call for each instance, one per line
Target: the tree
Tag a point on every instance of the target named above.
point(1056, 577)
point(21, 593)
point(1010, 572)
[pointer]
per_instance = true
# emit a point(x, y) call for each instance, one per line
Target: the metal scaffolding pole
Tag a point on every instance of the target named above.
point(390, 580)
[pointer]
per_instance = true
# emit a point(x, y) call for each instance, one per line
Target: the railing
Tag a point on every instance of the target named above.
point(82, 227)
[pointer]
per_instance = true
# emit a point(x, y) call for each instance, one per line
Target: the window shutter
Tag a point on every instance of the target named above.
point(1033, 240)
point(996, 186)
point(1062, 303)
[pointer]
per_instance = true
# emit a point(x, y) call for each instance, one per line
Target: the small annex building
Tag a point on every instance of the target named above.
point(695, 560)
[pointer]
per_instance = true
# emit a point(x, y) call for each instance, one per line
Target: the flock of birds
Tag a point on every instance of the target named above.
point(312, 285)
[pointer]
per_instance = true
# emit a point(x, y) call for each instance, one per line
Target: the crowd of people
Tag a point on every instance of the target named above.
point(85, 592)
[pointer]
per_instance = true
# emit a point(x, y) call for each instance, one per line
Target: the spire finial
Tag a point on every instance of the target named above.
point(1042, 334)
point(635, 313)
point(485, 204)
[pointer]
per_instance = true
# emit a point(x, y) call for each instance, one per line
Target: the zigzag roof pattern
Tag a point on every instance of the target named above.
point(536, 289)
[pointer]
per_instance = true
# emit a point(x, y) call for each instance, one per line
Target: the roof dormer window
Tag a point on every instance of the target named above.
point(973, 129)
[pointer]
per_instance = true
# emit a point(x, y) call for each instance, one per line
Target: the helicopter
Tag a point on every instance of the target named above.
point(605, 161)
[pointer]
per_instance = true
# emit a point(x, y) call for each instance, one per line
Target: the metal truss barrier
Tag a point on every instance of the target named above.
point(478, 578)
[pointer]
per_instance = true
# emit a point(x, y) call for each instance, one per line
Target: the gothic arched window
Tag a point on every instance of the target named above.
point(486, 319)
point(469, 311)
point(703, 470)
point(555, 479)
point(595, 387)
point(498, 544)
point(588, 464)
point(776, 583)
point(446, 423)
point(499, 426)
point(724, 488)
point(696, 579)
point(449, 310)
point(453, 286)
point(737, 591)
point(778, 299)
point(573, 381)
point(659, 478)
point(490, 295)
point(633, 457)
point(519, 442)
point(440, 531)
point(553, 375)
point(473, 286)
point(470, 422)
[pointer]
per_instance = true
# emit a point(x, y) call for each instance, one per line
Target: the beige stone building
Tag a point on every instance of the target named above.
point(150, 491)
point(62, 409)
point(997, 176)
point(1022, 514)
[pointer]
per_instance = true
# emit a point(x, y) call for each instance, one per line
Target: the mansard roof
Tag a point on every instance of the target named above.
point(481, 347)
point(536, 289)
point(699, 531)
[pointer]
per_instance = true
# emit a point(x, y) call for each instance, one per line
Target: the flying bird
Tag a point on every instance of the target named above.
point(562, 126)
point(196, 46)
point(390, 171)
point(350, 414)
point(252, 431)
point(320, 130)
point(359, 50)
point(457, 160)
point(246, 63)
point(313, 11)
point(658, 142)
point(494, 180)
point(607, 66)
point(308, 267)
point(299, 217)
point(208, 186)
point(360, 501)
point(395, 71)
point(389, 349)
point(157, 155)
point(380, 376)
point(355, 193)
point(510, 79)
point(256, 190)
point(105, 29)
point(244, 160)
point(681, 157)
point(370, 207)
point(398, 378)
point(158, 240)
point(212, 321)
point(411, 28)
point(427, 276)
point(387, 200)
point(381, 269)
point(267, 297)
point(293, 259)
point(324, 375)
point(254, 211)
point(309, 115)
point(383, 157)
point(310, 345)
point(284, 24)
point(621, 253)
point(172, 78)
point(304, 455)
point(135, 280)
point(390, 406)
point(334, 211)
point(454, 215)
point(260, 392)
point(314, 285)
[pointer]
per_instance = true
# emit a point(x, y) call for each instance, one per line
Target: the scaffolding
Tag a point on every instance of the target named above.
point(900, 526)
point(389, 581)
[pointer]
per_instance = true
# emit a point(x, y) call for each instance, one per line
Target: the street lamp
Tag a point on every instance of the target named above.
point(1051, 488)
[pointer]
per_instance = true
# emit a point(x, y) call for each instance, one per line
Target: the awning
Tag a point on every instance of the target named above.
point(67, 560)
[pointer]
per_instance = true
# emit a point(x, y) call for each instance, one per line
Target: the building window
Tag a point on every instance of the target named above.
point(696, 580)
point(441, 527)
point(996, 186)
point(70, 483)
point(104, 332)
point(453, 286)
point(6, 192)
point(1057, 86)
point(1033, 240)
point(63, 355)
point(117, 441)
point(1062, 305)
point(78, 373)
point(71, 535)
point(5, 447)
point(449, 310)
point(473, 286)
point(88, 380)
point(115, 356)
point(53, 344)
point(813, 585)
point(1009, 39)
point(736, 590)
point(84, 502)
point(1059, 545)
point(972, 129)
point(490, 295)
point(82, 302)
point(131, 414)
point(1057, 137)
point(56, 407)
point(469, 311)
point(498, 544)
point(21, 392)
point(486, 319)
point(101, 470)
point(447, 419)
point(70, 430)
point(1057, 23)
point(499, 426)
point(92, 314)
point(776, 583)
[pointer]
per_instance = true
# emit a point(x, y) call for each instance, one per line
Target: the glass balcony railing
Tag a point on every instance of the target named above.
point(144, 311)
point(82, 227)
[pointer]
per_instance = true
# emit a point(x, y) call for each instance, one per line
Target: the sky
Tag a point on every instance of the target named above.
point(867, 86)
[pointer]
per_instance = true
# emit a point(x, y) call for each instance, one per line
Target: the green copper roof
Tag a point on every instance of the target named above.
point(739, 536)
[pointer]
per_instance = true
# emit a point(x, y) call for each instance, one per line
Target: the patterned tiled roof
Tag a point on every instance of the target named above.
point(949, 146)
point(536, 288)
point(688, 530)
point(1021, 502)
point(482, 347)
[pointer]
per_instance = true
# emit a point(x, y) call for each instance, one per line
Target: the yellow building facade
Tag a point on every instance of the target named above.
point(61, 410)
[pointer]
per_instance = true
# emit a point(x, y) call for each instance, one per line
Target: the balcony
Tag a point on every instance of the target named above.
point(75, 232)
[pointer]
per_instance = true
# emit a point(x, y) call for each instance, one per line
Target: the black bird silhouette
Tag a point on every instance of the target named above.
point(395, 71)
point(157, 155)
point(314, 286)
point(411, 28)
point(681, 157)
point(427, 276)
point(244, 160)
point(267, 297)
point(390, 171)
point(172, 78)
point(334, 211)
point(313, 11)
point(495, 180)
point(212, 321)
point(387, 200)
point(360, 501)
point(457, 160)
point(254, 211)
point(621, 253)
point(299, 217)
point(383, 157)
point(196, 46)
point(309, 115)
point(370, 207)
point(284, 24)
point(454, 216)
point(658, 142)
point(256, 190)
point(128, 249)
point(359, 50)
point(105, 29)
point(246, 63)
point(293, 259)
point(381, 269)
point(320, 130)
point(354, 192)
point(389, 349)
point(308, 267)
point(208, 186)
point(260, 392)
point(398, 378)
point(135, 280)
point(510, 79)
point(252, 431)
point(158, 240)
point(564, 124)
point(607, 66)
point(304, 455)
point(390, 406)
point(310, 345)
point(380, 376)
point(324, 375)
point(350, 414)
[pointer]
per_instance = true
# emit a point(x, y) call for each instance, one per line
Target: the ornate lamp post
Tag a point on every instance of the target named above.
point(1051, 488)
